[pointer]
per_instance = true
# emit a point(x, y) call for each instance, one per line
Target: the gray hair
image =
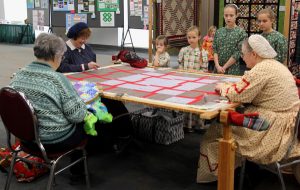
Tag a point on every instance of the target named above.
point(247, 45)
point(48, 46)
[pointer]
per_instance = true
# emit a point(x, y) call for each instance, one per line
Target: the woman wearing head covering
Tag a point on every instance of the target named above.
point(268, 89)
point(79, 56)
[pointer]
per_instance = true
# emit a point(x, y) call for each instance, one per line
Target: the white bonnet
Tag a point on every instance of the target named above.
point(261, 46)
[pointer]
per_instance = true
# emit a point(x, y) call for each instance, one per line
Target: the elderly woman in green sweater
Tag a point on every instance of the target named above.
point(60, 111)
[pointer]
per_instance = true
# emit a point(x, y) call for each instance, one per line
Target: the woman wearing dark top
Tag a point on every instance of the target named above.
point(80, 57)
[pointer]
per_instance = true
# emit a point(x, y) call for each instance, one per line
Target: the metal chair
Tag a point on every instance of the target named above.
point(285, 162)
point(20, 120)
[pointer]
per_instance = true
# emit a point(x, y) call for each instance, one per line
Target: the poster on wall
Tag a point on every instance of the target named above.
point(86, 6)
point(30, 4)
point(37, 3)
point(35, 19)
point(140, 8)
point(146, 17)
point(63, 5)
point(72, 19)
point(108, 5)
point(38, 19)
point(44, 4)
point(136, 7)
point(107, 19)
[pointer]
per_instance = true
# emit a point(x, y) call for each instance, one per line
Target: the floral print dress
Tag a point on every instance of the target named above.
point(227, 43)
point(279, 44)
point(269, 89)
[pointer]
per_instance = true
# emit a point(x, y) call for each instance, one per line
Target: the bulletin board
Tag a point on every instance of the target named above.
point(138, 17)
point(41, 8)
point(58, 18)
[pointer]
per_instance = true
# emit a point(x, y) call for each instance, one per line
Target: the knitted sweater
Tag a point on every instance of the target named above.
point(55, 101)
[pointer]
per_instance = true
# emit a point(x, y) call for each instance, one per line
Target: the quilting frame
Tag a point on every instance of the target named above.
point(164, 88)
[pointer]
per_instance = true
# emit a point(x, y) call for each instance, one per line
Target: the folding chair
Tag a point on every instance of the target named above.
point(20, 120)
point(285, 162)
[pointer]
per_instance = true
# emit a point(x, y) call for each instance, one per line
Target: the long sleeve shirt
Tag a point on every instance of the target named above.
point(76, 60)
point(56, 103)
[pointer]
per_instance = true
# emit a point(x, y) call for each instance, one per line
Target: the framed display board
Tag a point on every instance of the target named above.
point(249, 10)
point(294, 48)
point(58, 9)
point(138, 14)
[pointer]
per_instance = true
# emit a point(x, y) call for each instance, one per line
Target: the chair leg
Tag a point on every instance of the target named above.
point(86, 172)
point(11, 170)
point(280, 176)
point(51, 176)
point(242, 174)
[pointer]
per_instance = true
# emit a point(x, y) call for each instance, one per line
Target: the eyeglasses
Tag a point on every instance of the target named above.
point(62, 56)
point(245, 53)
point(242, 54)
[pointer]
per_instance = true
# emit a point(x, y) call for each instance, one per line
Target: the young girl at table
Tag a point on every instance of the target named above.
point(162, 57)
point(189, 57)
point(207, 45)
point(266, 19)
point(227, 43)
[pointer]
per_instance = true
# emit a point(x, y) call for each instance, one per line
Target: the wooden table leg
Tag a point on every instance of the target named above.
point(226, 156)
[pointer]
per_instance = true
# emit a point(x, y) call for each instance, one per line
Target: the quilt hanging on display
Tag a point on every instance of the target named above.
point(174, 18)
point(294, 39)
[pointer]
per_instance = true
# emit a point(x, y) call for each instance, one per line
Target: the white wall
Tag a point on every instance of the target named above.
point(2, 13)
point(15, 10)
point(104, 36)
point(140, 38)
point(113, 37)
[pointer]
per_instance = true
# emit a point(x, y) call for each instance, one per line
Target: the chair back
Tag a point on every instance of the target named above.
point(17, 114)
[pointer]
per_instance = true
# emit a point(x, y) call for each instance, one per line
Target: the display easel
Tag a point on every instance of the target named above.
point(50, 30)
point(124, 36)
point(26, 30)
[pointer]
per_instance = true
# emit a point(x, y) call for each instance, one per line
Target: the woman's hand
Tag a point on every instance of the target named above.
point(218, 87)
point(220, 69)
point(93, 65)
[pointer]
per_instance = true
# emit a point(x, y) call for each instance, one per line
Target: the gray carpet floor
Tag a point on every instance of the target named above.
point(142, 166)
